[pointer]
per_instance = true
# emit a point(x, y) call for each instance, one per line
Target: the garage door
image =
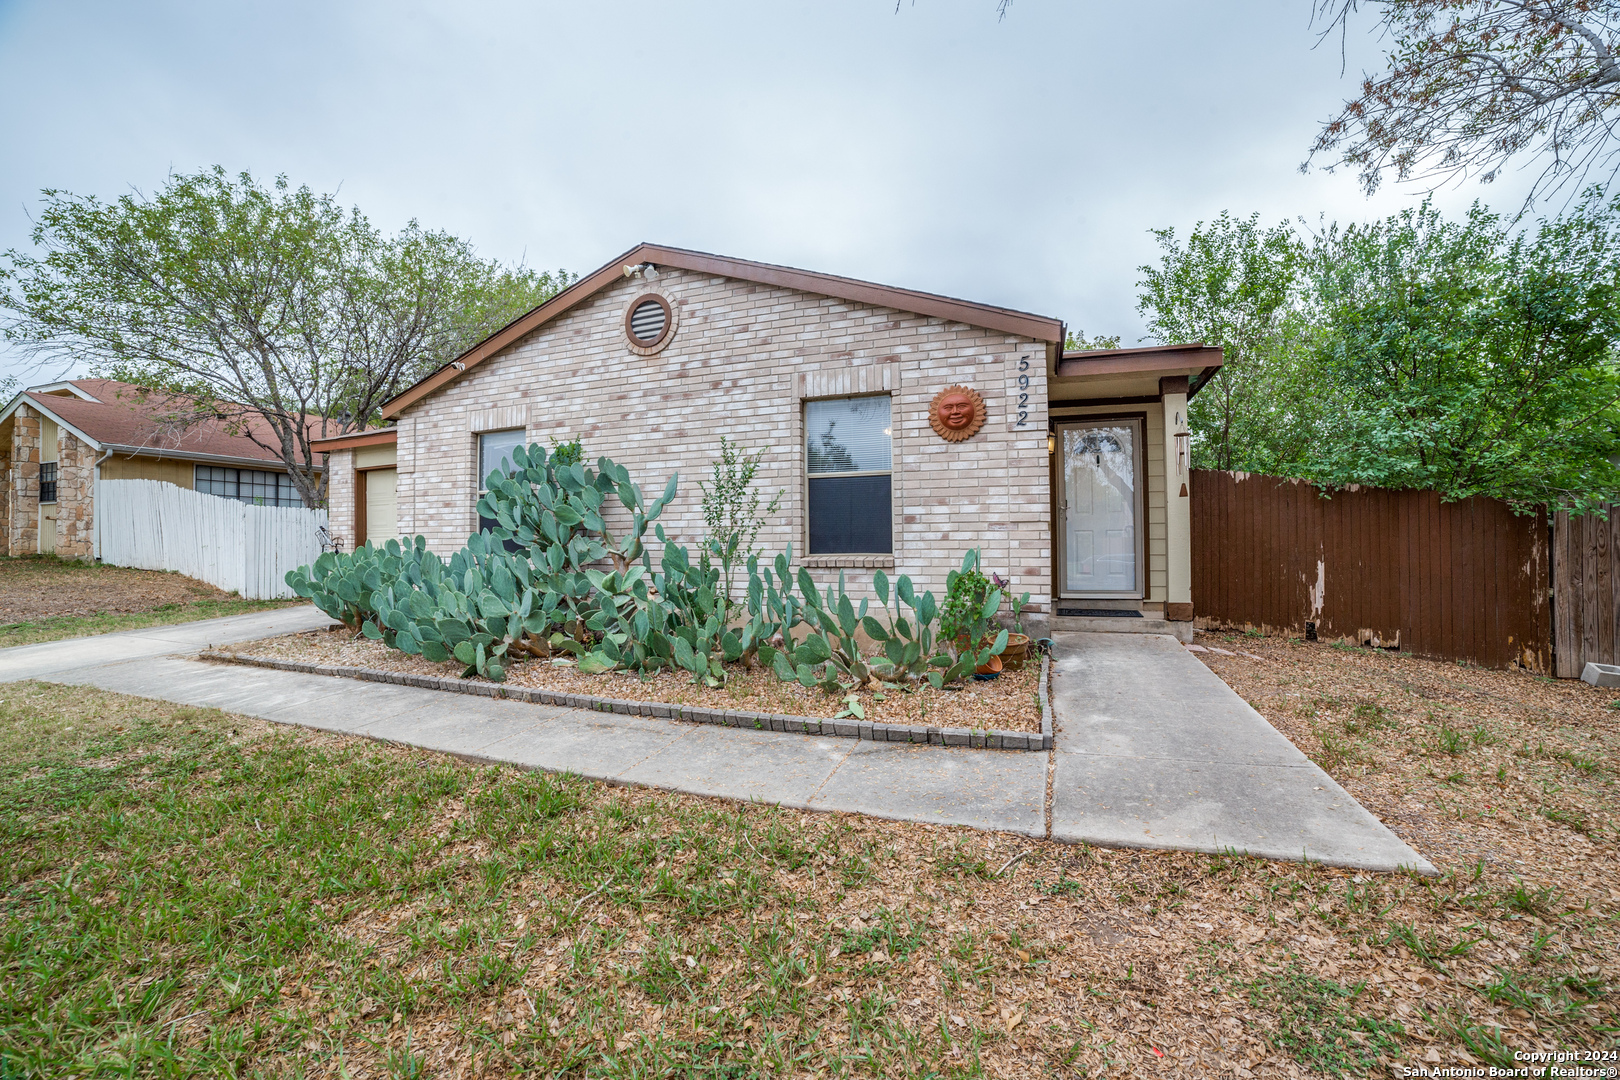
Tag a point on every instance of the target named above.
point(382, 513)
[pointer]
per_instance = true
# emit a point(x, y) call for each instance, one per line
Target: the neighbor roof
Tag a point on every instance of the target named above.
point(1022, 323)
point(129, 419)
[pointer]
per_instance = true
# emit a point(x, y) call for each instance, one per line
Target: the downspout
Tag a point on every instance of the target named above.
point(95, 508)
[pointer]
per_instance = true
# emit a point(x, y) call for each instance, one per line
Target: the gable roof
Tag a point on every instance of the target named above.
point(119, 416)
point(1022, 323)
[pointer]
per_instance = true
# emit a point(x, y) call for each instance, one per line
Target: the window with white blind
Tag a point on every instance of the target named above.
point(247, 485)
point(848, 461)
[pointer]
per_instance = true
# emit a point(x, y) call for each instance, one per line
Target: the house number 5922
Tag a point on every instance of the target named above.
point(1022, 407)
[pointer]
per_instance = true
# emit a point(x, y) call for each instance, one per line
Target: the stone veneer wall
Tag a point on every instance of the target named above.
point(75, 497)
point(22, 524)
point(743, 358)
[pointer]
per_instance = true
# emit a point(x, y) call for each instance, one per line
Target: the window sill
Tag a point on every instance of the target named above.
point(857, 562)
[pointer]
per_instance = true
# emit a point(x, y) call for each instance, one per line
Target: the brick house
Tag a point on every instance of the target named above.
point(1074, 487)
point(62, 439)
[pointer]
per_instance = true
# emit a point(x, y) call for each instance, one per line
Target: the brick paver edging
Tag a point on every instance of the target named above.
point(976, 738)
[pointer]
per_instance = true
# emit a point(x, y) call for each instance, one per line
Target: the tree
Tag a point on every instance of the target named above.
point(1468, 359)
point(1234, 284)
point(732, 515)
point(1076, 341)
point(250, 303)
point(1473, 83)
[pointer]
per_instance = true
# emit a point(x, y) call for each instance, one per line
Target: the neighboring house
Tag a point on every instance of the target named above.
point(63, 438)
point(848, 386)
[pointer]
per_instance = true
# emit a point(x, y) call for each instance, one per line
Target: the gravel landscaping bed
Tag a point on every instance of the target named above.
point(1007, 703)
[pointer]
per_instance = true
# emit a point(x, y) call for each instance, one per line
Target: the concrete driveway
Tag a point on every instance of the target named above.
point(1152, 749)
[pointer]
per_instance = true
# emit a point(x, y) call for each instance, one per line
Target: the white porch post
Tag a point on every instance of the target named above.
point(1177, 510)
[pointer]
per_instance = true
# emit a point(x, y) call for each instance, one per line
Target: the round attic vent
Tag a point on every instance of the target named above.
point(648, 321)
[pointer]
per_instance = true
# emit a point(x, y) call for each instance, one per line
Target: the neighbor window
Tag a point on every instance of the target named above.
point(847, 458)
point(495, 455)
point(248, 485)
point(47, 481)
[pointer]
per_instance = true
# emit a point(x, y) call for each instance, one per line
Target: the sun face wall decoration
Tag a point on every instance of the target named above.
point(956, 413)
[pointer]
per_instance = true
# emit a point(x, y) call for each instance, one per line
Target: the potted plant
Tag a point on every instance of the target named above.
point(971, 602)
point(1014, 656)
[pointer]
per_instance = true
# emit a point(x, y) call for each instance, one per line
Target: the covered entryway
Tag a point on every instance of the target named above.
point(376, 482)
point(1122, 546)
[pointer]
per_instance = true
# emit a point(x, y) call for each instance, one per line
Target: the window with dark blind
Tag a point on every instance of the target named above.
point(47, 481)
point(848, 461)
point(247, 485)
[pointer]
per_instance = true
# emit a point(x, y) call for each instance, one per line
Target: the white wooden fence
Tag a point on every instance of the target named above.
point(238, 547)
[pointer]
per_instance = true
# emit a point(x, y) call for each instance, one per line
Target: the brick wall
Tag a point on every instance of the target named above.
point(743, 359)
point(340, 497)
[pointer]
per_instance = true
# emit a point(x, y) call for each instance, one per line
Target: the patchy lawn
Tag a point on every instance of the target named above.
point(46, 599)
point(1468, 765)
point(190, 892)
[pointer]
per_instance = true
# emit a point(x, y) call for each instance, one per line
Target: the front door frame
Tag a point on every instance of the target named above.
point(1138, 420)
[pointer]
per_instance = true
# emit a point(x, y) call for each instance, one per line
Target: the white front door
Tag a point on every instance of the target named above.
point(1100, 503)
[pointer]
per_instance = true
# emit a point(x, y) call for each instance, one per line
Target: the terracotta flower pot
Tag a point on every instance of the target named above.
point(1016, 653)
point(992, 668)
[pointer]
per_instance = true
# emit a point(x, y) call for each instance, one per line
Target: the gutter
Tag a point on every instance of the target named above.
point(271, 464)
point(95, 503)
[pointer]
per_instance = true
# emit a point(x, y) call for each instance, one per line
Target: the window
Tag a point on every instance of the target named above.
point(248, 485)
point(847, 457)
point(47, 481)
point(495, 455)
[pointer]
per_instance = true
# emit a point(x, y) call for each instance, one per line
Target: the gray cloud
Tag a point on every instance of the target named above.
point(1018, 162)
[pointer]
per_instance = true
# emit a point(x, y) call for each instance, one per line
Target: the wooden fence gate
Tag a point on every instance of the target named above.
point(1464, 580)
point(232, 545)
point(1586, 592)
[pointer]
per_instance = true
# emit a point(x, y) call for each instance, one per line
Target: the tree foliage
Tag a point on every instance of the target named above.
point(1473, 83)
point(1415, 352)
point(254, 303)
point(1234, 283)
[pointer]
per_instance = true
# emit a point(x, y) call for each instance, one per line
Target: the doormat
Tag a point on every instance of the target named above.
point(1099, 613)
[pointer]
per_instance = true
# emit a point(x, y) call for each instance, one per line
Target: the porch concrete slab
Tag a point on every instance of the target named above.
point(50, 657)
point(988, 789)
point(758, 766)
point(1154, 751)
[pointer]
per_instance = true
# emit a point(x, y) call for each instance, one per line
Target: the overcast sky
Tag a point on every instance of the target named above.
point(1019, 162)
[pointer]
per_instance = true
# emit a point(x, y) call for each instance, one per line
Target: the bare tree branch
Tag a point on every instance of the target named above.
point(1473, 84)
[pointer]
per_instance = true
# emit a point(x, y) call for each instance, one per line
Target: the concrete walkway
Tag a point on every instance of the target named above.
point(1120, 752)
point(1153, 750)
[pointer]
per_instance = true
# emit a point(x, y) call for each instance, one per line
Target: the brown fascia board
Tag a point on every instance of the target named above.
point(1166, 358)
point(385, 437)
point(1022, 323)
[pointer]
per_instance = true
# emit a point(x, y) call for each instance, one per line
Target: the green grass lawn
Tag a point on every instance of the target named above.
point(72, 626)
point(183, 893)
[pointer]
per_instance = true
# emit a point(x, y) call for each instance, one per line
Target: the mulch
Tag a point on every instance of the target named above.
point(40, 588)
point(1008, 703)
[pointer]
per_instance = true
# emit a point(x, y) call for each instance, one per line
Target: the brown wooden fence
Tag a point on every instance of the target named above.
point(1586, 586)
point(1463, 580)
